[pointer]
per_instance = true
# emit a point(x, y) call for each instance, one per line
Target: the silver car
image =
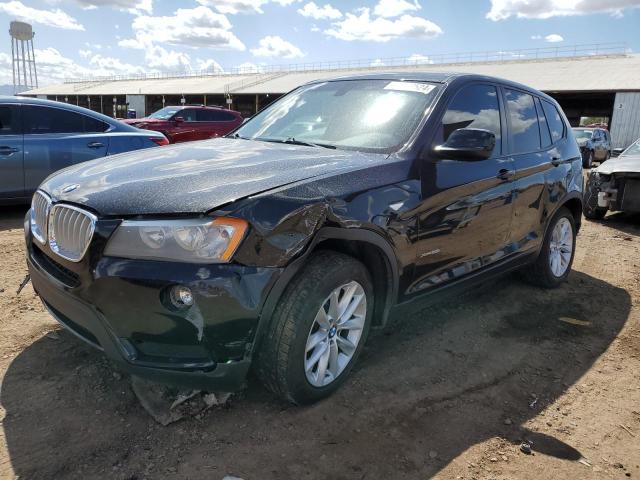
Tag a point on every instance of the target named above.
point(39, 137)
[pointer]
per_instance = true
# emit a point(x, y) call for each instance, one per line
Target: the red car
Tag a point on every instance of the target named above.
point(189, 122)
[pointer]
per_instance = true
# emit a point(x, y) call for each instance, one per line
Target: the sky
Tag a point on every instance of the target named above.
point(77, 39)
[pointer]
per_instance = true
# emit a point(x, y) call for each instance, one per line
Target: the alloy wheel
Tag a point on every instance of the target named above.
point(561, 247)
point(335, 334)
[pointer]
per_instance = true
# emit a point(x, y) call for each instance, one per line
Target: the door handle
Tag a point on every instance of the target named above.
point(5, 150)
point(95, 145)
point(555, 161)
point(505, 174)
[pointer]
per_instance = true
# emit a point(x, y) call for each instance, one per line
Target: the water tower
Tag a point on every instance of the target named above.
point(23, 57)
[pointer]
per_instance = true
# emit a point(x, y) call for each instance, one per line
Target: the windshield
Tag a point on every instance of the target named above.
point(164, 113)
point(632, 150)
point(367, 115)
point(583, 134)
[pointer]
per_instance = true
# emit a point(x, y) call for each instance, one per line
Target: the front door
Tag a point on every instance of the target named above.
point(465, 216)
point(188, 128)
point(11, 152)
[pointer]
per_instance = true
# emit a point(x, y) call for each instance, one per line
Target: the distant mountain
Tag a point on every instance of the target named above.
point(8, 89)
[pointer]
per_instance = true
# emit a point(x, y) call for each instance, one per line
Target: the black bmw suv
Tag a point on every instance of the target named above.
point(281, 246)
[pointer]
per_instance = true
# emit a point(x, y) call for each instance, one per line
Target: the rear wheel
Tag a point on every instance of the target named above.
point(587, 159)
point(318, 329)
point(553, 264)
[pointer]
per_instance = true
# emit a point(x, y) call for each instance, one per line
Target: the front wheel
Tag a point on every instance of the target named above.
point(587, 159)
point(318, 329)
point(553, 264)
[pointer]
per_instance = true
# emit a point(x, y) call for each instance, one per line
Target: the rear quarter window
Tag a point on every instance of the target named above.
point(554, 120)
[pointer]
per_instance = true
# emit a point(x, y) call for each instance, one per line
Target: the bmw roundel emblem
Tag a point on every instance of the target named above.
point(70, 188)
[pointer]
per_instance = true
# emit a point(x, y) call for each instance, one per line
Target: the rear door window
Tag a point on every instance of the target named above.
point(554, 120)
point(44, 120)
point(215, 116)
point(523, 121)
point(10, 120)
point(475, 106)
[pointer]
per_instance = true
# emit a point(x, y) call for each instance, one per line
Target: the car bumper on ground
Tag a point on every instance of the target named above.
point(119, 306)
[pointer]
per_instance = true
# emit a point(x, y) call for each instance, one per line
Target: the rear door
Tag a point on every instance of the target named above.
point(11, 152)
point(219, 122)
point(55, 138)
point(465, 217)
point(535, 129)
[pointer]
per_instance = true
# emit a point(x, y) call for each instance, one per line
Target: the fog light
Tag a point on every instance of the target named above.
point(181, 297)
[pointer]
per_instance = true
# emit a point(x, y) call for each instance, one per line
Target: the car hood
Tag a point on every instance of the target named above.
point(195, 177)
point(629, 163)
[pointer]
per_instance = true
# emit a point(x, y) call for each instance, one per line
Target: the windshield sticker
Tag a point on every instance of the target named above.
point(418, 87)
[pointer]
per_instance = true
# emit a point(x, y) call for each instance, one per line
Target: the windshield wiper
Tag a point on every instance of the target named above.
point(237, 135)
point(293, 141)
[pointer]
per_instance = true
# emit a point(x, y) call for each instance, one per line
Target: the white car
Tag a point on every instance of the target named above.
point(614, 185)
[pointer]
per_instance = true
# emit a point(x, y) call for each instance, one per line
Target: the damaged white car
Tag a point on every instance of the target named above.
point(614, 185)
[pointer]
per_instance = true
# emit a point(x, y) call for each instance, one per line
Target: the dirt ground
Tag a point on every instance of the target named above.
point(449, 392)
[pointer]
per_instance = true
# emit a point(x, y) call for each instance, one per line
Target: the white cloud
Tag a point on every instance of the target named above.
point(419, 59)
point(52, 18)
point(195, 27)
point(551, 38)
point(327, 12)
point(160, 59)
point(363, 27)
point(85, 53)
point(102, 66)
point(502, 9)
point(377, 63)
point(53, 67)
point(248, 67)
point(136, 7)
point(554, 38)
point(233, 7)
point(274, 46)
point(209, 65)
point(394, 8)
point(315, 28)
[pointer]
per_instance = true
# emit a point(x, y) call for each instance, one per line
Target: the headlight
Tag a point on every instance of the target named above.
point(192, 241)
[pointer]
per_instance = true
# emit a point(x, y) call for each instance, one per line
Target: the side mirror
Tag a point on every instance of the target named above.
point(178, 119)
point(617, 151)
point(467, 144)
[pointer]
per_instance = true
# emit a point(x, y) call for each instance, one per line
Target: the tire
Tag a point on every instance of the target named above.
point(606, 157)
point(590, 207)
point(587, 160)
point(542, 273)
point(283, 360)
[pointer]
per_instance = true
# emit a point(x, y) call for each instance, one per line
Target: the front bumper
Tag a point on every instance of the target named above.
point(119, 306)
point(617, 192)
